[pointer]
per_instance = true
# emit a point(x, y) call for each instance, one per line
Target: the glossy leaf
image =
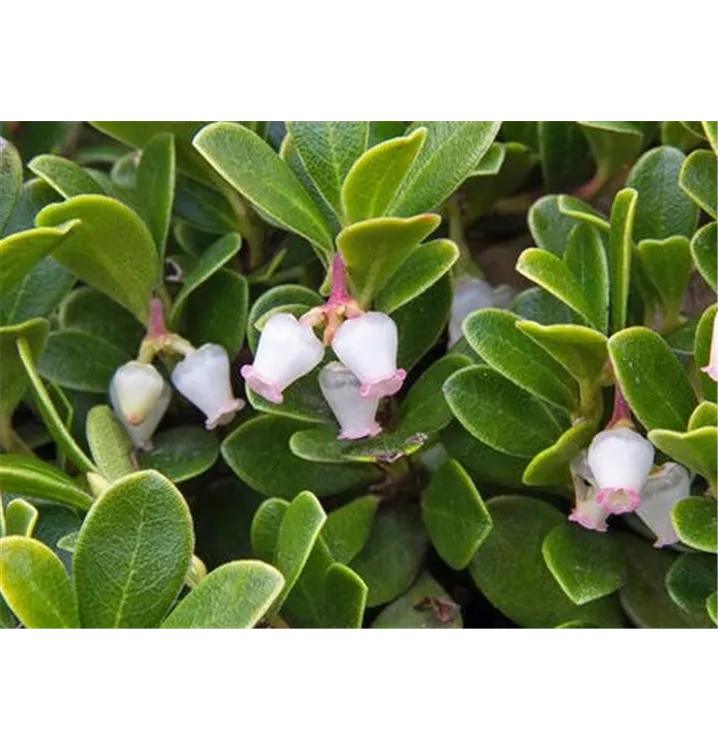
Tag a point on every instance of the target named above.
point(10, 181)
point(133, 553)
point(156, 186)
point(455, 516)
point(111, 249)
point(668, 265)
point(235, 595)
point(426, 605)
point(620, 248)
point(34, 583)
point(377, 175)
point(64, 176)
point(347, 529)
point(181, 453)
point(696, 449)
point(550, 467)
point(699, 180)
point(13, 378)
point(20, 518)
point(691, 580)
point(110, 444)
point(696, 522)
point(705, 255)
point(652, 379)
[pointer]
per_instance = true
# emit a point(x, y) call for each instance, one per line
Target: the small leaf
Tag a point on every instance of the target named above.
point(702, 350)
point(705, 415)
point(133, 553)
point(375, 177)
point(499, 413)
point(345, 597)
point(10, 181)
point(110, 444)
point(34, 583)
point(455, 515)
point(550, 467)
point(699, 181)
point(585, 257)
point(711, 131)
point(251, 166)
point(374, 249)
point(652, 379)
point(156, 186)
point(662, 210)
point(235, 595)
point(691, 580)
point(574, 208)
point(696, 522)
point(425, 605)
point(703, 250)
point(181, 453)
point(550, 227)
point(586, 565)
point(564, 153)
point(13, 378)
point(620, 248)
point(669, 266)
point(539, 306)
point(25, 475)
point(110, 249)
point(265, 527)
point(20, 518)
point(347, 528)
point(696, 449)
point(614, 144)
point(64, 176)
point(391, 559)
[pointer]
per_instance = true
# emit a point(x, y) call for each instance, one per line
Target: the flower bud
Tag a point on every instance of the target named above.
point(141, 435)
point(137, 388)
point(620, 461)
point(356, 415)
point(669, 484)
point(202, 377)
point(287, 351)
point(367, 345)
point(473, 294)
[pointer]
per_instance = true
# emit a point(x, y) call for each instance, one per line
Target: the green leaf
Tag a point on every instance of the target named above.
point(156, 186)
point(644, 596)
point(202, 207)
point(34, 583)
point(711, 131)
point(668, 265)
point(235, 595)
point(499, 413)
point(550, 227)
point(620, 248)
point(181, 453)
point(691, 580)
point(216, 256)
point(344, 598)
point(328, 150)
point(25, 475)
point(64, 176)
point(421, 269)
point(582, 351)
point(550, 467)
point(348, 528)
point(54, 422)
point(450, 153)
point(383, 130)
point(564, 154)
point(699, 181)
point(251, 166)
point(652, 379)
point(133, 553)
point(374, 249)
point(216, 313)
point(538, 305)
point(702, 352)
point(662, 210)
point(13, 378)
point(425, 605)
point(491, 162)
point(377, 175)
point(712, 607)
point(306, 606)
point(20, 518)
point(85, 309)
point(111, 249)
point(65, 361)
point(391, 559)
point(696, 522)
point(703, 250)
point(614, 144)
point(35, 195)
point(574, 208)
point(495, 337)
point(510, 571)
point(258, 452)
point(586, 565)
point(585, 257)
point(695, 449)
point(265, 527)
point(455, 516)
point(704, 415)
point(10, 181)
point(110, 444)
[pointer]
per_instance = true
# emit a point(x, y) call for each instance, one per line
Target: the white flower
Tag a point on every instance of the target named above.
point(711, 369)
point(620, 461)
point(356, 415)
point(202, 377)
point(586, 511)
point(669, 484)
point(473, 294)
point(367, 345)
point(136, 389)
point(141, 435)
point(287, 351)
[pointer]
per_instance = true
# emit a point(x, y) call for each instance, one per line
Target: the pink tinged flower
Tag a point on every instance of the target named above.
point(202, 377)
point(473, 294)
point(586, 511)
point(711, 370)
point(356, 415)
point(669, 484)
point(287, 351)
point(620, 461)
point(367, 345)
point(141, 435)
point(136, 388)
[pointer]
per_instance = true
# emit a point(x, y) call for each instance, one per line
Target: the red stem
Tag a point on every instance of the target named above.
point(156, 327)
point(340, 292)
point(621, 409)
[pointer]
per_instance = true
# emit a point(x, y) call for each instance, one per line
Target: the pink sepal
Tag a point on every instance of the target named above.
point(386, 386)
point(358, 434)
point(608, 499)
point(225, 414)
point(258, 384)
point(587, 522)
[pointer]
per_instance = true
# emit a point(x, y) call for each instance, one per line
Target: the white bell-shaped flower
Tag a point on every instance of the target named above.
point(711, 369)
point(367, 345)
point(620, 461)
point(287, 351)
point(472, 294)
point(202, 377)
point(664, 488)
point(141, 435)
point(586, 510)
point(356, 415)
point(136, 387)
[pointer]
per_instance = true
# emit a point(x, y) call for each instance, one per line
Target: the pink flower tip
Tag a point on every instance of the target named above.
point(587, 522)
point(711, 371)
point(386, 386)
point(358, 433)
point(225, 414)
point(617, 500)
point(265, 388)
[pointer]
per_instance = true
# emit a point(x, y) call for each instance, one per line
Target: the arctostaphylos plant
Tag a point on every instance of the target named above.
point(358, 374)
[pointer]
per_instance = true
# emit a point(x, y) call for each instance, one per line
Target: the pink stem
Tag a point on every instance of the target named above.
point(621, 409)
point(340, 292)
point(156, 327)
